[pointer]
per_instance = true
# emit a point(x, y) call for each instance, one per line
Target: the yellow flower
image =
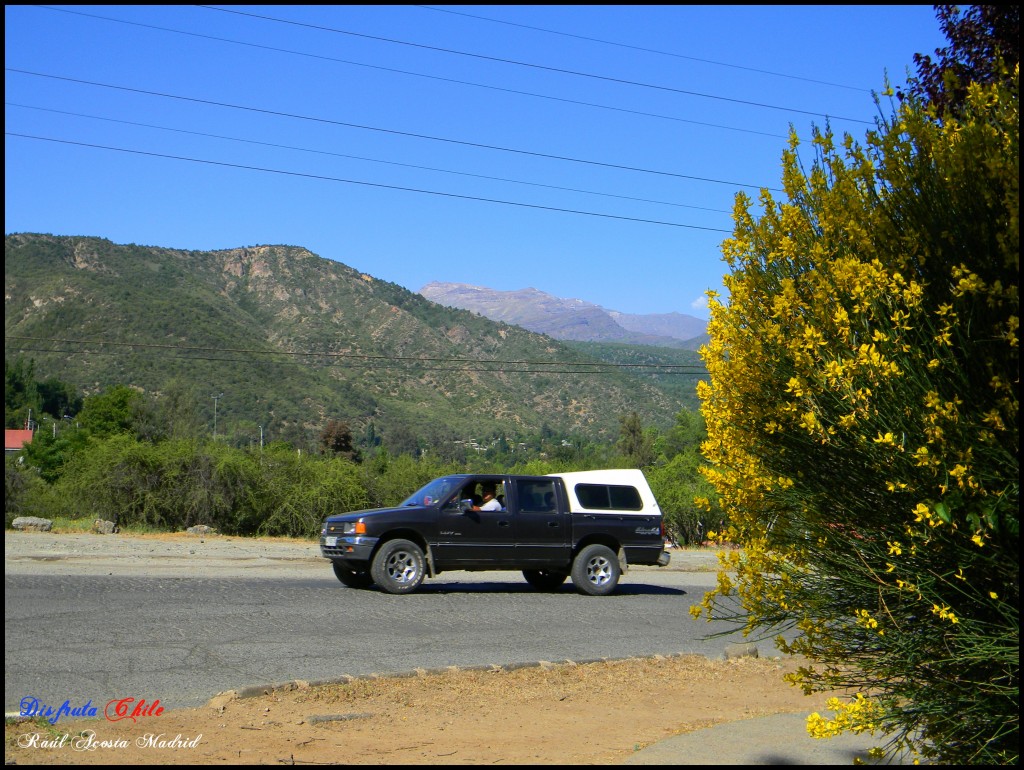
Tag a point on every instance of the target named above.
point(888, 439)
point(864, 619)
point(809, 421)
point(859, 716)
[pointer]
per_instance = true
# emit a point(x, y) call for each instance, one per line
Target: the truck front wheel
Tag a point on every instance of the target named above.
point(398, 567)
point(596, 571)
point(353, 578)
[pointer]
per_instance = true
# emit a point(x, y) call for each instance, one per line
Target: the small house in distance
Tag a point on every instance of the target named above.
point(15, 440)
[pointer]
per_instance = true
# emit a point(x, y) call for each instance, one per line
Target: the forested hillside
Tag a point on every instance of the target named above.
point(279, 341)
point(675, 371)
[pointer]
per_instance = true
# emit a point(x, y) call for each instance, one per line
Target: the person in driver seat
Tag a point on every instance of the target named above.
point(491, 502)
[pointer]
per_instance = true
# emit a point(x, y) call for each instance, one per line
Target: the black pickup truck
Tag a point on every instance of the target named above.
point(589, 525)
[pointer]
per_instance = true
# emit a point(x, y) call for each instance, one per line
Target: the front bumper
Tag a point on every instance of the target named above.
point(358, 548)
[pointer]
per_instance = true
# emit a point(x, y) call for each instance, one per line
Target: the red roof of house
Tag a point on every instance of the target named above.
point(16, 439)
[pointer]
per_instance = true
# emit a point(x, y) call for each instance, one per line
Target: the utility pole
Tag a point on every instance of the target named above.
point(215, 400)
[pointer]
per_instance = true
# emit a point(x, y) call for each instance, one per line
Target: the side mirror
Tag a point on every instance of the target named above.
point(466, 505)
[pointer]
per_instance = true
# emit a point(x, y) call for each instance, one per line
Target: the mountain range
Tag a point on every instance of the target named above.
point(570, 319)
point(278, 340)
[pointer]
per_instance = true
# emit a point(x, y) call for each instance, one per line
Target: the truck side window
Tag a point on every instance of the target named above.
point(536, 496)
point(609, 496)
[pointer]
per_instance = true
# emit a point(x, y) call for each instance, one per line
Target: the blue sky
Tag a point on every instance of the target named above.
point(591, 152)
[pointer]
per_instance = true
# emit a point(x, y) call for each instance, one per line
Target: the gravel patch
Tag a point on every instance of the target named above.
point(49, 553)
point(208, 555)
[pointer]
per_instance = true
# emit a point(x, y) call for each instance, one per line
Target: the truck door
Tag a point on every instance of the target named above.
point(541, 514)
point(473, 538)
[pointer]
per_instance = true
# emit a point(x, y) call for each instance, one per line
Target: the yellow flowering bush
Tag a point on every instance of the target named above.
point(862, 424)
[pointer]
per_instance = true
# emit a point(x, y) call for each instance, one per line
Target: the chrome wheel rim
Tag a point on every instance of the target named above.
point(599, 571)
point(401, 566)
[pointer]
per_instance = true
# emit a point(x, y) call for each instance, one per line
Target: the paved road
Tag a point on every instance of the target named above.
point(191, 632)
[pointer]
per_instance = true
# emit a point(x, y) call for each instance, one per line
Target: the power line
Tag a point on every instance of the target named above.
point(559, 70)
point(379, 185)
point(421, 74)
point(401, 367)
point(643, 49)
point(360, 157)
point(388, 130)
point(321, 353)
point(406, 363)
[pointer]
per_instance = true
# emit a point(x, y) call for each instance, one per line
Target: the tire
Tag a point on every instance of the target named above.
point(353, 578)
point(596, 570)
point(545, 579)
point(398, 567)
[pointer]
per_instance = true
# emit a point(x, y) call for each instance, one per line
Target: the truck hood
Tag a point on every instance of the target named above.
point(353, 515)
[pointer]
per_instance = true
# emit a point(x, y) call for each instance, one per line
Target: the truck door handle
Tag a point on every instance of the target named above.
point(504, 524)
point(554, 523)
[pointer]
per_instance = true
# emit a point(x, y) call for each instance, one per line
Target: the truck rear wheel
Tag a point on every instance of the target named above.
point(544, 579)
point(398, 567)
point(596, 571)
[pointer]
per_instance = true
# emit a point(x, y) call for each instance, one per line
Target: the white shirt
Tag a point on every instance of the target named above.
point(491, 505)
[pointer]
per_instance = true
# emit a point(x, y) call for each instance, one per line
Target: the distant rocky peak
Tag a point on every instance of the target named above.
point(566, 318)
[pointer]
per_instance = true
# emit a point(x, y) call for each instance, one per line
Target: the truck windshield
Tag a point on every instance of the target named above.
point(434, 493)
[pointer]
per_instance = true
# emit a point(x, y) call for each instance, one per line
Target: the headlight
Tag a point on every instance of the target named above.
point(355, 528)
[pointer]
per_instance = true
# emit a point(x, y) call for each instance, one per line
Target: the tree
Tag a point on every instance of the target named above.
point(24, 394)
point(58, 398)
point(687, 434)
point(862, 425)
point(984, 48)
point(336, 439)
point(635, 444)
point(48, 453)
point(21, 392)
point(687, 499)
point(177, 412)
point(401, 439)
point(112, 412)
point(370, 438)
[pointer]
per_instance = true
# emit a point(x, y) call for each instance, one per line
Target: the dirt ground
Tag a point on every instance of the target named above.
point(591, 713)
